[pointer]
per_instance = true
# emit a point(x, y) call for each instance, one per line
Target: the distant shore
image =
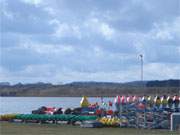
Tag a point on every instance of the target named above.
point(92, 89)
point(91, 92)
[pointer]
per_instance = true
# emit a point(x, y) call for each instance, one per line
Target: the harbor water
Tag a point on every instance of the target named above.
point(27, 104)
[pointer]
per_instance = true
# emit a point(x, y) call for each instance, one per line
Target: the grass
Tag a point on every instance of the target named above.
point(7, 128)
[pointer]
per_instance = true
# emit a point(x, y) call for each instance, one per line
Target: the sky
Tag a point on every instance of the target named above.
point(61, 41)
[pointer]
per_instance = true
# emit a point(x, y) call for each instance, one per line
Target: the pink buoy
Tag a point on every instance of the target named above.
point(134, 99)
point(123, 100)
point(128, 99)
point(117, 100)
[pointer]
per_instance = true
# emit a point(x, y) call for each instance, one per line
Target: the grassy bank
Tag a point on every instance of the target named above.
point(47, 129)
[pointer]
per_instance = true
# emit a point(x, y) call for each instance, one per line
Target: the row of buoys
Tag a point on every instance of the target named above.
point(39, 117)
point(113, 121)
point(151, 100)
point(109, 121)
point(157, 100)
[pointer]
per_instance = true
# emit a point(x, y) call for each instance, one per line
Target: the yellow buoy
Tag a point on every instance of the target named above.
point(84, 102)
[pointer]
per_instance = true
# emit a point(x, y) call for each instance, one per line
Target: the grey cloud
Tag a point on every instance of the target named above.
point(129, 15)
point(132, 22)
point(25, 18)
point(15, 59)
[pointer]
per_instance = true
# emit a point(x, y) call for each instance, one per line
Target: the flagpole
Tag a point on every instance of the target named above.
point(141, 58)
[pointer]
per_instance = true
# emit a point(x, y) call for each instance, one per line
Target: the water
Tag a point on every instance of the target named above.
point(27, 104)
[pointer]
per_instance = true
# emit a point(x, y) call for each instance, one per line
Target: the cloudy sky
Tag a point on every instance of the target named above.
point(61, 41)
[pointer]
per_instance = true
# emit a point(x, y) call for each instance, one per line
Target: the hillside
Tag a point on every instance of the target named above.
point(91, 88)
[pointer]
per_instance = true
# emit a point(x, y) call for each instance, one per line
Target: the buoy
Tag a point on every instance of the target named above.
point(164, 101)
point(84, 102)
point(117, 100)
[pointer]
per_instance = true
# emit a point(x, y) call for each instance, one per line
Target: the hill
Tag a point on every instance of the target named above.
point(91, 88)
